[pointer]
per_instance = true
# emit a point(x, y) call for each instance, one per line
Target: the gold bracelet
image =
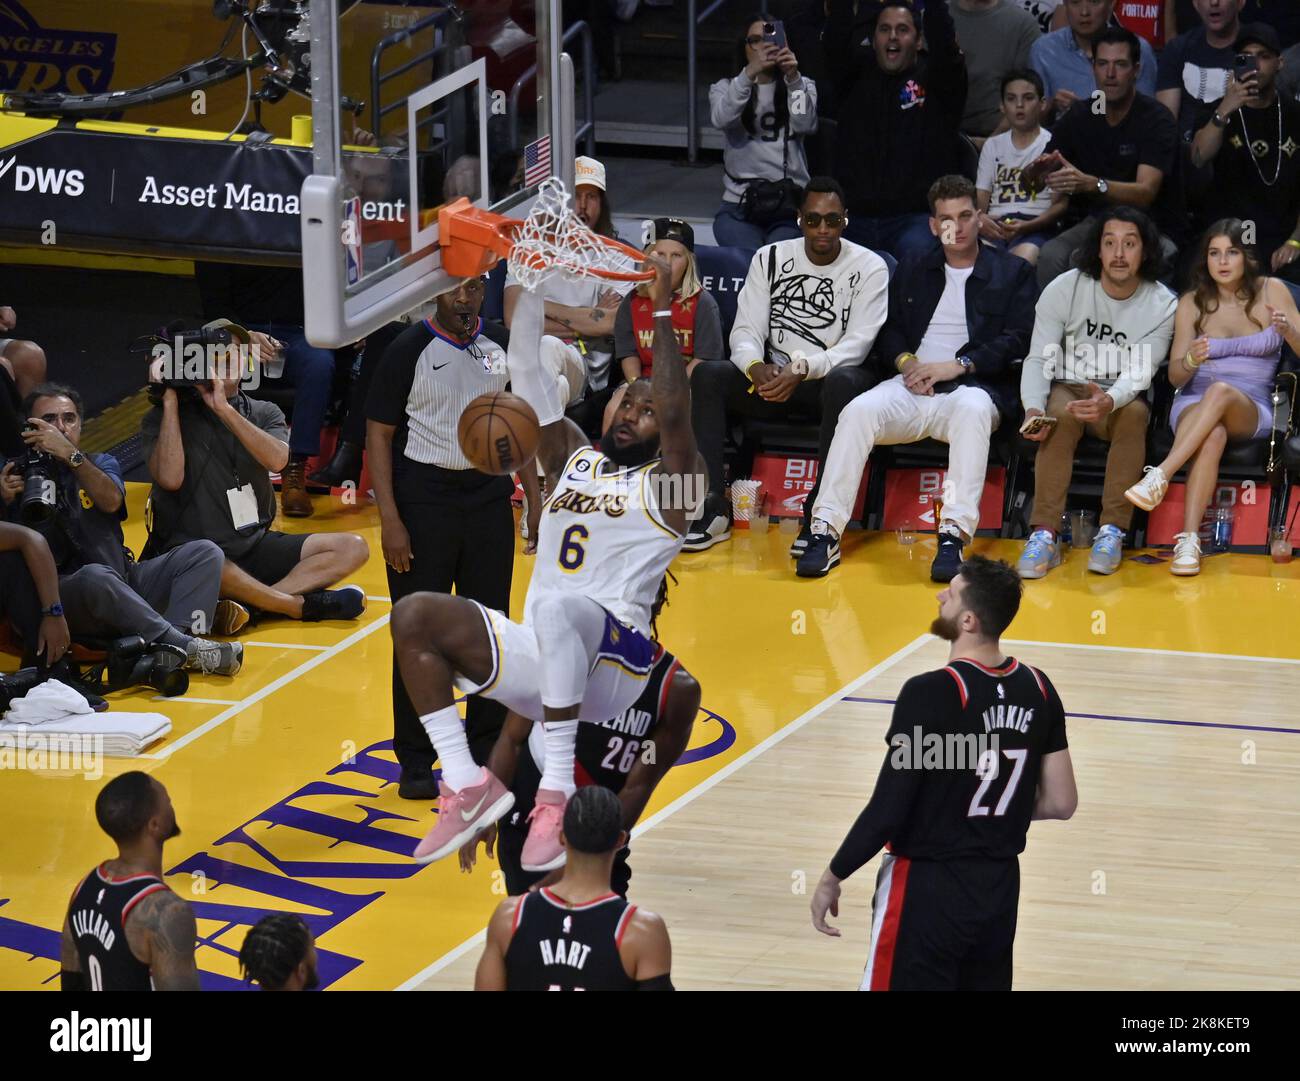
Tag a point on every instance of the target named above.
point(1293, 242)
point(901, 360)
point(1193, 364)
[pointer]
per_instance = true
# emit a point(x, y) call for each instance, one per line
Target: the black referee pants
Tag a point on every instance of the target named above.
point(469, 545)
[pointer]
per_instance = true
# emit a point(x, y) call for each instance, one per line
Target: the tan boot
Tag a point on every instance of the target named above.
point(294, 500)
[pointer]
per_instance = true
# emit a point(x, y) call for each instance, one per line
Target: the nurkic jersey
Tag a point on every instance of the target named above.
point(602, 536)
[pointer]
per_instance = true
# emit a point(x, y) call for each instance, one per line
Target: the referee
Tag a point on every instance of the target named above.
point(944, 914)
point(443, 524)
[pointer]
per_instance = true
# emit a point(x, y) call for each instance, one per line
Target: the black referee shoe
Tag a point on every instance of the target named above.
point(417, 783)
point(346, 603)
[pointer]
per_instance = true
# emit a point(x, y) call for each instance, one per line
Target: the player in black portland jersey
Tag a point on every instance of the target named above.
point(578, 934)
point(628, 754)
point(125, 929)
point(977, 750)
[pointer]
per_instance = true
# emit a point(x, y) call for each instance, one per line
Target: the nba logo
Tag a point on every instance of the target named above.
point(352, 239)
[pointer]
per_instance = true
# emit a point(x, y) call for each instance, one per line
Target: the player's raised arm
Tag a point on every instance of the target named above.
point(164, 926)
point(669, 385)
point(560, 437)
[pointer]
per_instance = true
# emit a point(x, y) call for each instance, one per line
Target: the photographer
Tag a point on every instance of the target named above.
point(210, 450)
point(77, 503)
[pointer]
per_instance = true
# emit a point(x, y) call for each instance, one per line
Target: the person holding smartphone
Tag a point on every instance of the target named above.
point(1247, 139)
point(764, 113)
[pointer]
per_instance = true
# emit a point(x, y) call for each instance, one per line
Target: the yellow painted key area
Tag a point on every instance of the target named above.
point(1188, 768)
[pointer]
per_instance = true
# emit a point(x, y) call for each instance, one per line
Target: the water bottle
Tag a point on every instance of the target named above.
point(1065, 533)
point(1223, 529)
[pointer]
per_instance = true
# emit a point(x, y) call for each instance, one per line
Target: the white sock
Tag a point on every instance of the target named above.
point(561, 737)
point(825, 528)
point(447, 732)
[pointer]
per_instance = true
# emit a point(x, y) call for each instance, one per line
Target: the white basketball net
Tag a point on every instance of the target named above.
point(553, 238)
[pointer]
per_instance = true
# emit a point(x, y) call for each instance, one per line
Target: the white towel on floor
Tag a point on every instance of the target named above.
point(50, 701)
point(113, 733)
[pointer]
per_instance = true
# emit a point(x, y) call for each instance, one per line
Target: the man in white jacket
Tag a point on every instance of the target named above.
point(806, 319)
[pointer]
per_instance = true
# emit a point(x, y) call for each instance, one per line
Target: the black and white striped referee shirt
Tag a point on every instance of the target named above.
point(424, 382)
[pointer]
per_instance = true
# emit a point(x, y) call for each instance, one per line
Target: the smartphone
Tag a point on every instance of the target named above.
point(774, 33)
point(1247, 65)
point(1034, 425)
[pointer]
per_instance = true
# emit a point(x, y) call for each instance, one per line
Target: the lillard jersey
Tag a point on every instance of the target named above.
point(602, 536)
point(555, 946)
point(977, 735)
point(605, 751)
point(98, 916)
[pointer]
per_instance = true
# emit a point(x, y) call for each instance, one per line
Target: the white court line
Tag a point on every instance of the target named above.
point(285, 645)
point(185, 699)
point(385, 600)
point(302, 669)
point(699, 790)
point(1155, 652)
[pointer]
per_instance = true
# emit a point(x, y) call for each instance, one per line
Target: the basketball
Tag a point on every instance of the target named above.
point(498, 433)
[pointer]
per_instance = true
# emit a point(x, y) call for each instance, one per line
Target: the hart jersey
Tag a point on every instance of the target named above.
point(603, 536)
point(97, 915)
point(555, 946)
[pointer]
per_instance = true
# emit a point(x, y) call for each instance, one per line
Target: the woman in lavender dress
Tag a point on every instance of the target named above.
point(1228, 337)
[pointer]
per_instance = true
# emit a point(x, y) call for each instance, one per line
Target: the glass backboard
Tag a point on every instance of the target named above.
point(414, 105)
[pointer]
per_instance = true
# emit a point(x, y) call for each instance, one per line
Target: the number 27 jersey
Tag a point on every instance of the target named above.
point(602, 535)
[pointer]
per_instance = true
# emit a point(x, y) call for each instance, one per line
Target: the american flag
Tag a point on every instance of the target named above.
point(537, 161)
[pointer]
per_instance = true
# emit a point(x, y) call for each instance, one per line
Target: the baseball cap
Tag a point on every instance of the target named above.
point(673, 229)
point(1259, 34)
point(589, 171)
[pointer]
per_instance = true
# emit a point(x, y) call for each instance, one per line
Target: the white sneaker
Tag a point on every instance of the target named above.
point(1150, 490)
point(1187, 554)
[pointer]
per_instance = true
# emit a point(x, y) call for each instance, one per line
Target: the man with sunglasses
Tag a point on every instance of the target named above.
point(806, 318)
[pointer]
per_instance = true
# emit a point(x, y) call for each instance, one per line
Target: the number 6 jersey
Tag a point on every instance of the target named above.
point(603, 536)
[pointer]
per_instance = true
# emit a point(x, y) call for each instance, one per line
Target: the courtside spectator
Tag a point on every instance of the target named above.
point(1196, 66)
point(105, 591)
point(210, 453)
point(806, 318)
point(764, 114)
point(1228, 336)
point(696, 320)
point(1100, 332)
point(580, 312)
point(1126, 155)
point(1064, 58)
point(995, 36)
point(899, 116)
point(1010, 217)
point(959, 315)
point(22, 367)
point(1250, 139)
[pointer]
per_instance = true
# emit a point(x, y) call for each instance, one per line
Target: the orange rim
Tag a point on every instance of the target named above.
point(473, 239)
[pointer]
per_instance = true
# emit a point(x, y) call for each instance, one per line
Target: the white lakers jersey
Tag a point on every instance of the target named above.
point(602, 536)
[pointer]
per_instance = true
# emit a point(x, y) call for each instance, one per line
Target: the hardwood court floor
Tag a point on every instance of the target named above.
point(1179, 870)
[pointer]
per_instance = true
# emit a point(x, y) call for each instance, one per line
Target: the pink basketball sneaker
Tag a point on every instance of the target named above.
point(463, 814)
point(542, 850)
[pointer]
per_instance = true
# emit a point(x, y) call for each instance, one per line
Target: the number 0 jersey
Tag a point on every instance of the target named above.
point(602, 535)
point(98, 916)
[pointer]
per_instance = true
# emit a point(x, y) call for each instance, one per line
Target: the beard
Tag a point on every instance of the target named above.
point(175, 832)
point(312, 982)
point(945, 628)
point(631, 455)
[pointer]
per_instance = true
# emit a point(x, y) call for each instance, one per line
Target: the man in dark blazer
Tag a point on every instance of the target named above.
point(959, 314)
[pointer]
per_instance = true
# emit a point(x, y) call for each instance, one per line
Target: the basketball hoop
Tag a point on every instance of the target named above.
point(551, 238)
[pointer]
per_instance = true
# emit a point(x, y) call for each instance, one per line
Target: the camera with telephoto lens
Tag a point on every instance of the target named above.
point(130, 662)
point(40, 498)
point(194, 358)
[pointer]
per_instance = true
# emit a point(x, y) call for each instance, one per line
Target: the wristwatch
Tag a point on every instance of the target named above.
point(967, 365)
point(1219, 121)
point(76, 459)
point(55, 609)
point(1102, 186)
